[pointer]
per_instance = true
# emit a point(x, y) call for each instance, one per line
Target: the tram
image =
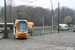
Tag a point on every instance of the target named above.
point(21, 28)
point(9, 26)
point(31, 27)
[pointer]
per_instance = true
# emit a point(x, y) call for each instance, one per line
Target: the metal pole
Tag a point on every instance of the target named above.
point(2, 11)
point(63, 15)
point(58, 17)
point(10, 14)
point(43, 23)
point(5, 33)
point(52, 14)
point(52, 20)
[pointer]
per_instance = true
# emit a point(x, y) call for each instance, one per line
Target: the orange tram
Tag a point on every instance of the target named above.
point(21, 29)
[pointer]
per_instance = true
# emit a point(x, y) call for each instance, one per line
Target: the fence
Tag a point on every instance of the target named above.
point(43, 30)
point(47, 30)
point(10, 34)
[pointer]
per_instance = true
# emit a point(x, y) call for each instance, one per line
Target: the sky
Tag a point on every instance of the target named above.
point(43, 3)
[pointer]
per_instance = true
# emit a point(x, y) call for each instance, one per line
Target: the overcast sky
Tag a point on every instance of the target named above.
point(44, 3)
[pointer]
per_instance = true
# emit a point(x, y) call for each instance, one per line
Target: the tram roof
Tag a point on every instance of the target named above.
point(8, 23)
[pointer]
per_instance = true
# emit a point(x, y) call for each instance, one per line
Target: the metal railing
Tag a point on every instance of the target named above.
point(41, 31)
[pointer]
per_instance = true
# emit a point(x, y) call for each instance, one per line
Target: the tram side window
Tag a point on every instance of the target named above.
point(1, 25)
point(10, 26)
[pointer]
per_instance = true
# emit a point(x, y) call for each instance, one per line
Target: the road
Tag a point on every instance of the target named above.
point(55, 41)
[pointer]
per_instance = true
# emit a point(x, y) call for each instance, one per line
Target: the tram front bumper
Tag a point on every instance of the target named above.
point(22, 35)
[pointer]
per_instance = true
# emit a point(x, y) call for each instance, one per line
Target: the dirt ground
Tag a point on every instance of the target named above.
point(55, 41)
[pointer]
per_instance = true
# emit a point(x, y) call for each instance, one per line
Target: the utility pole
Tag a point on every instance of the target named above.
point(52, 14)
point(5, 33)
point(58, 17)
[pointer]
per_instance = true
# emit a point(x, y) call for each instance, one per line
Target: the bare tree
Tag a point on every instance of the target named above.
point(9, 4)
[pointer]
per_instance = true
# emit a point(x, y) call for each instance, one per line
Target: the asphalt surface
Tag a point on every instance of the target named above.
point(54, 41)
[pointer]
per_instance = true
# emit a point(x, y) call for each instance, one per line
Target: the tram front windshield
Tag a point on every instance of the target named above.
point(22, 26)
